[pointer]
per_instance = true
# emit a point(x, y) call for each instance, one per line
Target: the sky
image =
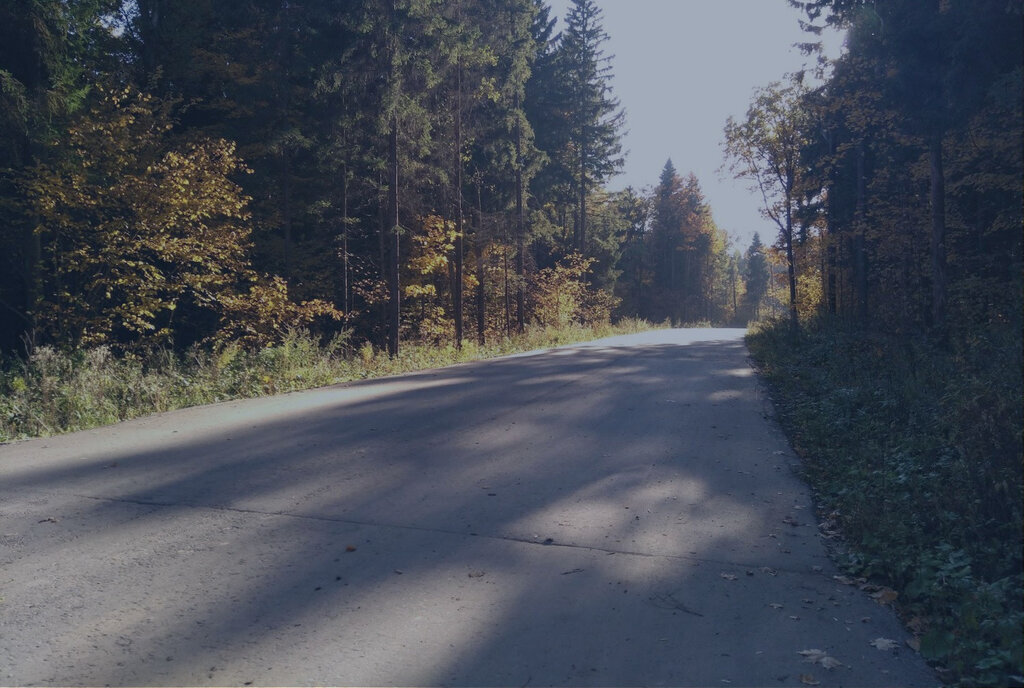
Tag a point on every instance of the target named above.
point(680, 69)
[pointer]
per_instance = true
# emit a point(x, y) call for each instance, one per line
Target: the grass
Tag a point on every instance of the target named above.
point(54, 392)
point(915, 455)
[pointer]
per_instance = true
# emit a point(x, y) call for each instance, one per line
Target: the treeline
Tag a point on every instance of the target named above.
point(896, 189)
point(431, 170)
point(896, 185)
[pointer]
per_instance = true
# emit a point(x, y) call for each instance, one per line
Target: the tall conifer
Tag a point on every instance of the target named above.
point(594, 116)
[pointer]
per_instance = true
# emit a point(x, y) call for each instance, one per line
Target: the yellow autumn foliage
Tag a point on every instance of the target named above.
point(132, 227)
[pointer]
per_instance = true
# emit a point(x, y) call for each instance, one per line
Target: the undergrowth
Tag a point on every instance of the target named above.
point(52, 392)
point(915, 452)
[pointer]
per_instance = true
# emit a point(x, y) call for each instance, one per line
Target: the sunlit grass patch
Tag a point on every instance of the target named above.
point(52, 392)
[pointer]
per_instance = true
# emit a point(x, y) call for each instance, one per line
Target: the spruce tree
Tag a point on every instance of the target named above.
point(594, 117)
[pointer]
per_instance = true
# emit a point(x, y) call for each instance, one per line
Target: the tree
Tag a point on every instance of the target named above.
point(397, 38)
point(689, 254)
point(50, 51)
point(756, 277)
point(594, 116)
point(635, 209)
point(935, 63)
point(765, 149)
point(139, 237)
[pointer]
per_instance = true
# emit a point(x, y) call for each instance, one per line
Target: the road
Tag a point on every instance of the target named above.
point(623, 512)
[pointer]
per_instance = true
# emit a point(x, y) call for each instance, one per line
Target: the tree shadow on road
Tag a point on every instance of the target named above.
point(584, 516)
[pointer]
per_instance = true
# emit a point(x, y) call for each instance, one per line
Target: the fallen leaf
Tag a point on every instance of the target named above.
point(846, 580)
point(808, 680)
point(727, 576)
point(914, 644)
point(885, 596)
point(917, 625)
point(769, 570)
point(476, 574)
point(350, 548)
point(830, 662)
point(884, 644)
point(820, 657)
point(775, 605)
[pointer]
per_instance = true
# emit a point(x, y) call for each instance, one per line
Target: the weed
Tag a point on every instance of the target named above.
point(53, 392)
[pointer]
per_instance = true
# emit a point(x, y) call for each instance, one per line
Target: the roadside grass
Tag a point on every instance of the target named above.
point(53, 392)
point(915, 456)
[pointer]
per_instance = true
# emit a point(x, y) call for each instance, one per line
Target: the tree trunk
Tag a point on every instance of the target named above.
point(478, 252)
point(520, 226)
point(938, 238)
point(794, 319)
point(481, 296)
point(860, 258)
point(508, 300)
point(582, 237)
point(459, 220)
point(346, 305)
point(394, 294)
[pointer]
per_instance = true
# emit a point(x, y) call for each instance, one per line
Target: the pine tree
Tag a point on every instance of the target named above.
point(594, 116)
point(755, 275)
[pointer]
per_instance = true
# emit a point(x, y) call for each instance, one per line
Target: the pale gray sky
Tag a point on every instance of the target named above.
point(681, 67)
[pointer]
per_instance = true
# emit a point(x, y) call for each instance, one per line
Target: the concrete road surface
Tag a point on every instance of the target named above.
point(617, 513)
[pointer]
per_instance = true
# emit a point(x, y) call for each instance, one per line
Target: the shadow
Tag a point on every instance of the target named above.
point(566, 517)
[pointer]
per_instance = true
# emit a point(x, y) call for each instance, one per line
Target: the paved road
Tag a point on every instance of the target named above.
point(615, 513)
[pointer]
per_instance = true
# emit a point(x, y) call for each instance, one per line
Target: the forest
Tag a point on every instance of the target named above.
point(424, 170)
point(894, 179)
point(210, 181)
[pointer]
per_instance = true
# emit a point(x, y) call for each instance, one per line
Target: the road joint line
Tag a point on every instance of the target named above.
point(443, 531)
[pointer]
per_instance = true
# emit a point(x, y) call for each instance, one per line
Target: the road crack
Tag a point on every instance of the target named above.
point(548, 542)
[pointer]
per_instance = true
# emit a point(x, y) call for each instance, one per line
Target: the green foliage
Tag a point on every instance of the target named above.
point(592, 119)
point(766, 149)
point(916, 452)
point(560, 297)
point(53, 392)
point(687, 252)
point(756, 277)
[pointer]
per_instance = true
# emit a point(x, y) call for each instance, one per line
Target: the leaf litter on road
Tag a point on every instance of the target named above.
point(884, 644)
point(820, 657)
